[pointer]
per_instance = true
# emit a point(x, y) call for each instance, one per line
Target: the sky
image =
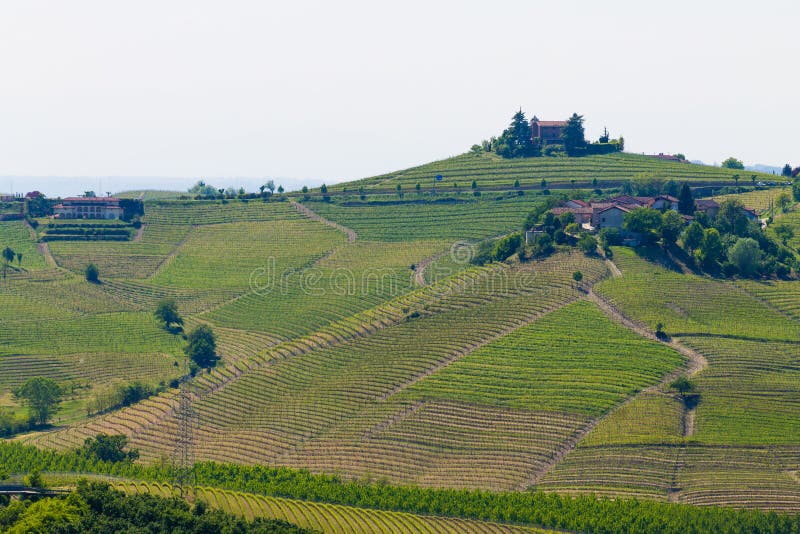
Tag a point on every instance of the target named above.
point(109, 95)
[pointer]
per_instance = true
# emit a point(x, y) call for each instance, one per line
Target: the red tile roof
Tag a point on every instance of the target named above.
point(92, 199)
point(581, 202)
point(552, 123)
point(620, 207)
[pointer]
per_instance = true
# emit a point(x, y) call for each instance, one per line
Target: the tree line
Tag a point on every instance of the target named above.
point(204, 191)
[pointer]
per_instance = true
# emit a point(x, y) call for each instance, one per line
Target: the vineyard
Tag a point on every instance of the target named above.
point(372, 379)
point(469, 219)
point(761, 199)
point(744, 431)
point(15, 235)
point(324, 517)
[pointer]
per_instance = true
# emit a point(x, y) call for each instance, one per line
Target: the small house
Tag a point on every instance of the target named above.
point(664, 202)
point(708, 206)
point(611, 217)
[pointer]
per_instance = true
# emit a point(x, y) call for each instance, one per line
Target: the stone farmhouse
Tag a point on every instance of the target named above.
point(88, 208)
point(548, 132)
point(611, 213)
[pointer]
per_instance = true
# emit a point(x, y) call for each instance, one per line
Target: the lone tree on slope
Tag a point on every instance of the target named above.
point(8, 257)
point(167, 312)
point(202, 347)
point(42, 396)
point(92, 273)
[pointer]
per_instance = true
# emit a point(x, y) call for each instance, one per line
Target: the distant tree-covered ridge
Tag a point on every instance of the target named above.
point(525, 139)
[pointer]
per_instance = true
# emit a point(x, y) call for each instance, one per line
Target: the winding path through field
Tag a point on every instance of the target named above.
point(305, 210)
point(419, 272)
point(696, 363)
point(44, 250)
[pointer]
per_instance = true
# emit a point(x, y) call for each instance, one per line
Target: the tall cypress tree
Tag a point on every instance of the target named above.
point(573, 135)
point(686, 200)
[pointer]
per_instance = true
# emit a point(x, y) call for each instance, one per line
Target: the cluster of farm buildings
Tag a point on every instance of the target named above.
point(610, 213)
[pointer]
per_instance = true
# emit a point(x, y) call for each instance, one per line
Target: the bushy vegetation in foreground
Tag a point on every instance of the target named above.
point(584, 514)
point(326, 517)
point(96, 508)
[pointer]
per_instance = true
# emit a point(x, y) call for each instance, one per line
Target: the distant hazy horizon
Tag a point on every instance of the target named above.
point(60, 186)
point(325, 92)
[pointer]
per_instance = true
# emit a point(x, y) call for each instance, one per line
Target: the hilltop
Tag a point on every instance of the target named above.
point(494, 172)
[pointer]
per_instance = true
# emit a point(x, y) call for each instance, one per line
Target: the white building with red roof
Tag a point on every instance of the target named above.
point(88, 208)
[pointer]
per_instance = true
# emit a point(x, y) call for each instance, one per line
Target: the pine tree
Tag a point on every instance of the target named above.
point(516, 141)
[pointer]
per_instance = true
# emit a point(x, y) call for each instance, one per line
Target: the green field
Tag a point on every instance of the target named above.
point(15, 235)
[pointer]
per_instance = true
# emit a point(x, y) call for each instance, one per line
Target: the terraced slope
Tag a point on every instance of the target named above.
point(760, 200)
point(345, 281)
point(469, 218)
point(287, 411)
point(492, 171)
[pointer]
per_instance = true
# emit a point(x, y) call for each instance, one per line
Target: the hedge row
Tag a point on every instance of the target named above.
point(93, 237)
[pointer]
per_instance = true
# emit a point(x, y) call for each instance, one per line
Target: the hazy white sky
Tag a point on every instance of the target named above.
point(321, 90)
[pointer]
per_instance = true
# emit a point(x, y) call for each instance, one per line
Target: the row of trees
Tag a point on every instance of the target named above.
point(202, 190)
point(517, 141)
point(582, 514)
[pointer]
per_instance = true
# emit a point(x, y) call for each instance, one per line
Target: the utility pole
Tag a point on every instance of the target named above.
point(183, 460)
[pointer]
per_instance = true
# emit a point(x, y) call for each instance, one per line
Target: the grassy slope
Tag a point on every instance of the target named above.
point(490, 171)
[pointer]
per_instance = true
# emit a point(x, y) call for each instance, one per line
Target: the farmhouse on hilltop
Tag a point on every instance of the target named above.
point(88, 208)
point(547, 131)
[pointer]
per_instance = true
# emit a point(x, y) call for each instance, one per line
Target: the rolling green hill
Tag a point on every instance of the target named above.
point(357, 340)
point(494, 172)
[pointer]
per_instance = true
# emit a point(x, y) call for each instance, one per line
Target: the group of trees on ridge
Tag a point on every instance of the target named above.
point(203, 191)
point(729, 244)
point(517, 141)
